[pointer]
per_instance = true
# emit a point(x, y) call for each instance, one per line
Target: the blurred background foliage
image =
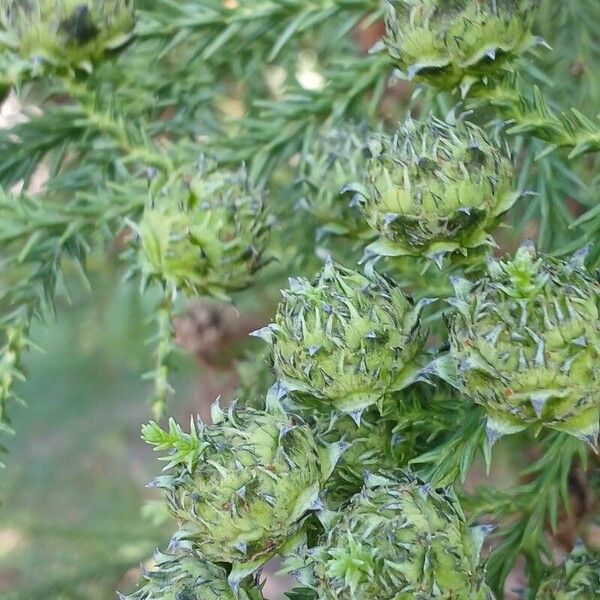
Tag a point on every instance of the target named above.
point(71, 525)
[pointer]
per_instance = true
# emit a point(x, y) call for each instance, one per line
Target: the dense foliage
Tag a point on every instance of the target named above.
point(376, 153)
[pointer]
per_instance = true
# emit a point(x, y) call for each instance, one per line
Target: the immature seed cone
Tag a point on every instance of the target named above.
point(337, 158)
point(455, 43)
point(399, 540)
point(69, 34)
point(526, 342)
point(207, 235)
point(344, 340)
point(577, 579)
point(434, 189)
point(189, 577)
point(246, 486)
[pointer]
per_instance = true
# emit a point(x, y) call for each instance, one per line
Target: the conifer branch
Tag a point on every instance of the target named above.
point(532, 115)
point(277, 129)
point(223, 29)
point(130, 139)
point(147, 110)
point(449, 463)
point(163, 341)
point(530, 509)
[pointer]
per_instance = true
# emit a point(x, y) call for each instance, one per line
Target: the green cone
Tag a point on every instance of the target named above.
point(65, 34)
point(189, 577)
point(399, 540)
point(242, 487)
point(526, 342)
point(454, 43)
point(434, 189)
point(204, 236)
point(337, 158)
point(344, 340)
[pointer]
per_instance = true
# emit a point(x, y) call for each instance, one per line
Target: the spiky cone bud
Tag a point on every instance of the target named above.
point(435, 188)
point(526, 341)
point(399, 540)
point(577, 579)
point(453, 44)
point(65, 34)
point(189, 577)
point(344, 340)
point(204, 235)
point(337, 157)
point(242, 487)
